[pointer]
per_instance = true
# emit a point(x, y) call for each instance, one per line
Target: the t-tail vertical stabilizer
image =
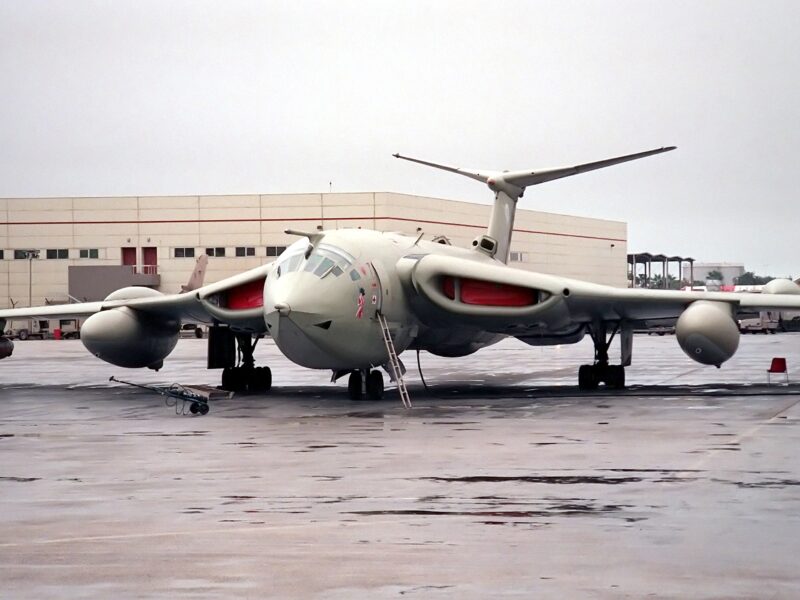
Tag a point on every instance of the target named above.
point(509, 186)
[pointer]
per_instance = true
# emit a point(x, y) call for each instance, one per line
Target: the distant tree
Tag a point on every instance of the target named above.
point(658, 282)
point(715, 276)
point(750, 278)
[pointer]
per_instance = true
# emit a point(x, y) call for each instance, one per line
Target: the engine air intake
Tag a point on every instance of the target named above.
point(487, 293)
point(246, 295)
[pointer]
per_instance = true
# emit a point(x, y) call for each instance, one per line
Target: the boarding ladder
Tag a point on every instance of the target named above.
point(394, 361)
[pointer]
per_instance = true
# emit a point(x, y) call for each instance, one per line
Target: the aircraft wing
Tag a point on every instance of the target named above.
point(236, 301)
point(521, 303)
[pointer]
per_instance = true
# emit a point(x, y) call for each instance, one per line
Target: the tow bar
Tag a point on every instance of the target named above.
point(180, 396)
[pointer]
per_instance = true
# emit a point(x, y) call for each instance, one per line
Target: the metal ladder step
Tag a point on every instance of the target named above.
point(394, 361)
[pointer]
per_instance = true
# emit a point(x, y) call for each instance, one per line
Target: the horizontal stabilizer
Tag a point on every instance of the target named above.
point(477, 175)
point(528, 177)
point(509, 186)
point(524, 179)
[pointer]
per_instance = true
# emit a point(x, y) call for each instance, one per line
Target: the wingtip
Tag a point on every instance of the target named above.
point(396, 155)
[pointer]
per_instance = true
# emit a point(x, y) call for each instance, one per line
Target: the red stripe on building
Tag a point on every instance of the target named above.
point(316, 219)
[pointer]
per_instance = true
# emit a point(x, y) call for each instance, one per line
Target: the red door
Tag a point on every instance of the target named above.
point(129, 257)
point(150, 260)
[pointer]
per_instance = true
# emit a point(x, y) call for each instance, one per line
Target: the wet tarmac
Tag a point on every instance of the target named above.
point(502, 482)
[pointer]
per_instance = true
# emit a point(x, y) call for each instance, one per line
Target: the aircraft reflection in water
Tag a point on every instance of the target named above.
point(341, 300)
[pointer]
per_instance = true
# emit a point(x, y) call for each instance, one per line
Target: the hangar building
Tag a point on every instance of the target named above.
point(51, 247)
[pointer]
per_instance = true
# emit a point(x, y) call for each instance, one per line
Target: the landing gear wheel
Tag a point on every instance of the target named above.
point(587, 377)
point(615, 376)
point(226, 379)
point(354, 385)
point(194, 408)
point(260, 379)
point(203, 409)
point(375, 385)
point(230, 379)
point(266, 378)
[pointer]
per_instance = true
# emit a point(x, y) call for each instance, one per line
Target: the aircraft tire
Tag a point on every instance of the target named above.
point(234, 379)
point(354, 385)
point(587, 377)
point(261, 379)
point(375, 385)
point(615, 376)
point(227, 379)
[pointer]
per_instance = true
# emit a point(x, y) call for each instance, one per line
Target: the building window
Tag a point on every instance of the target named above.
point(57, 253)
point(275, 250)
point(215, 251)
point(184, 252)
point(2, 254)
point(245, 251)
point(89, 253)
point(518, 257)
point(23, 254)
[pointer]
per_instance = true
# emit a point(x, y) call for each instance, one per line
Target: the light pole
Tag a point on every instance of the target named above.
point(30, 255)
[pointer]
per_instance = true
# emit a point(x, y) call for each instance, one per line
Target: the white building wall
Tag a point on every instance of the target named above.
point(730, 271)
point(591, 249)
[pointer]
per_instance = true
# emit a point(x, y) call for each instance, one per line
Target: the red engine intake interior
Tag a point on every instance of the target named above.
point(247, 295)
point(487, 293)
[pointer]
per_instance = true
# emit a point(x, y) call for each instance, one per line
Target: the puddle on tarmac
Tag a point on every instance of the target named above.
point(768, 484)
point(553, 479)
point(551, 511)
point(162, 434)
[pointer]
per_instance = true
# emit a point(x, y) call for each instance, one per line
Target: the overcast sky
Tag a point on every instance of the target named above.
point(155, 97)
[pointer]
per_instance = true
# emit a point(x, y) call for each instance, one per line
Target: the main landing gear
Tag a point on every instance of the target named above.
point(233, 352)
point(367, 382)
point(613, 376)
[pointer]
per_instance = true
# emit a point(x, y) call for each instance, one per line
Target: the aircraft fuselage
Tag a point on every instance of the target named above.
point(321, 308)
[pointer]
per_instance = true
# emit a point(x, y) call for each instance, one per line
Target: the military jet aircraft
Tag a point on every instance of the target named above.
point(350, 300)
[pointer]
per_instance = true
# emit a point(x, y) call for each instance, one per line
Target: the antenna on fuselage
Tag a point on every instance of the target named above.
point(509, 186)
point(314, 237)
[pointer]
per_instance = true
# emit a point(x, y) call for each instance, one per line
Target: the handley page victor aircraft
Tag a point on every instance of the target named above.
point(349, 300)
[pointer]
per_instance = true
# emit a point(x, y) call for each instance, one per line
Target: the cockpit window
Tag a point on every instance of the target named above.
point(324, 266)
point(312, 262)
point(324, 260)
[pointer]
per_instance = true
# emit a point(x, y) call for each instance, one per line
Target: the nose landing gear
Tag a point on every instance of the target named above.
point(591, 376)
point(247, 379)
point(365, 382)
point(234, 352)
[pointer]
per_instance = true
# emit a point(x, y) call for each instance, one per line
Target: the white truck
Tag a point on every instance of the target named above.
point(766, 322)
point(42, 329)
